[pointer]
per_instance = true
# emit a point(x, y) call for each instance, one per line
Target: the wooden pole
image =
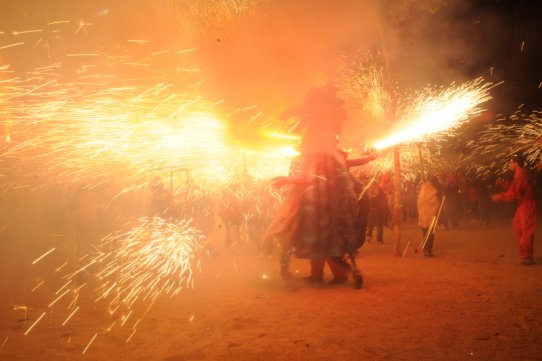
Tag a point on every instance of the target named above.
point(397, 214)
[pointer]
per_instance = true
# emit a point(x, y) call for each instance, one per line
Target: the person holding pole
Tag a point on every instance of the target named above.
point(428, 211)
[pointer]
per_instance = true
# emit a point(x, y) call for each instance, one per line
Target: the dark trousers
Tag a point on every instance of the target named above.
point(376, 219)
point(428, 248)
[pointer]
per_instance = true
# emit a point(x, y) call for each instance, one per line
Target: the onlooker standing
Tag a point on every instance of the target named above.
point(428, 205)
point(453, 199)
point(472, 199)
point(377, 212)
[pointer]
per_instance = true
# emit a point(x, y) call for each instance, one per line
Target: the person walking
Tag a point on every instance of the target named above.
point(317, 220)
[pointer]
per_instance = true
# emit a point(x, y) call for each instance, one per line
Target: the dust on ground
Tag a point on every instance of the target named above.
point(473, 301)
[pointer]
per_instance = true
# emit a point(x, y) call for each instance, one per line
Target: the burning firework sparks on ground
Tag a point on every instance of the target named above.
point(155, 257)
point(132, 268)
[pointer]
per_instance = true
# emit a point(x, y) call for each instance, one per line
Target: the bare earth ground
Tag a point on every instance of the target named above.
point(473, 301)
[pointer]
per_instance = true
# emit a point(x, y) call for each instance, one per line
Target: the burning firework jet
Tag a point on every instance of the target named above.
point(83, 141)
point(365, 80)
point(87, 133)
point(123, 118)
point(520, 133)
point(134, 268)
point(434, 113)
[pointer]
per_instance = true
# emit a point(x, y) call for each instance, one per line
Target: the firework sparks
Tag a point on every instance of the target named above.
point(70, 316)
point(432, 155)
point(4, 343)
point(134, 267)
point(35, 323)
point(518, 133)
point(365, 81)
point(38, 285)
point(103, 126)
point(86, 133)
point(440, 112)
point(90, 342)
point(425, 120)
point(158, 255)
point(11, 45)
point(44, 255)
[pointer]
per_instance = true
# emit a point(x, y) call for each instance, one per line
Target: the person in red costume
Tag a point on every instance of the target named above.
point(525, 219)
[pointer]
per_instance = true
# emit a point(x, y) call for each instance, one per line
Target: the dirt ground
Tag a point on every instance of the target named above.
point(473, 301)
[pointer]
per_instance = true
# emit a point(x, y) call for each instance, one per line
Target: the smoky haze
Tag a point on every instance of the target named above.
point(269, 53)
point(260, 52)
point(286, 47)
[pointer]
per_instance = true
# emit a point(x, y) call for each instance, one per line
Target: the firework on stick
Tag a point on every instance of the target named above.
point(437, 112)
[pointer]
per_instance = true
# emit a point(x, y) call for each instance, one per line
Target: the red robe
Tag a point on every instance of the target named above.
point(524, 222)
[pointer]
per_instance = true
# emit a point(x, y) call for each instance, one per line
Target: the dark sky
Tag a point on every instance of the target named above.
point(503, 35)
